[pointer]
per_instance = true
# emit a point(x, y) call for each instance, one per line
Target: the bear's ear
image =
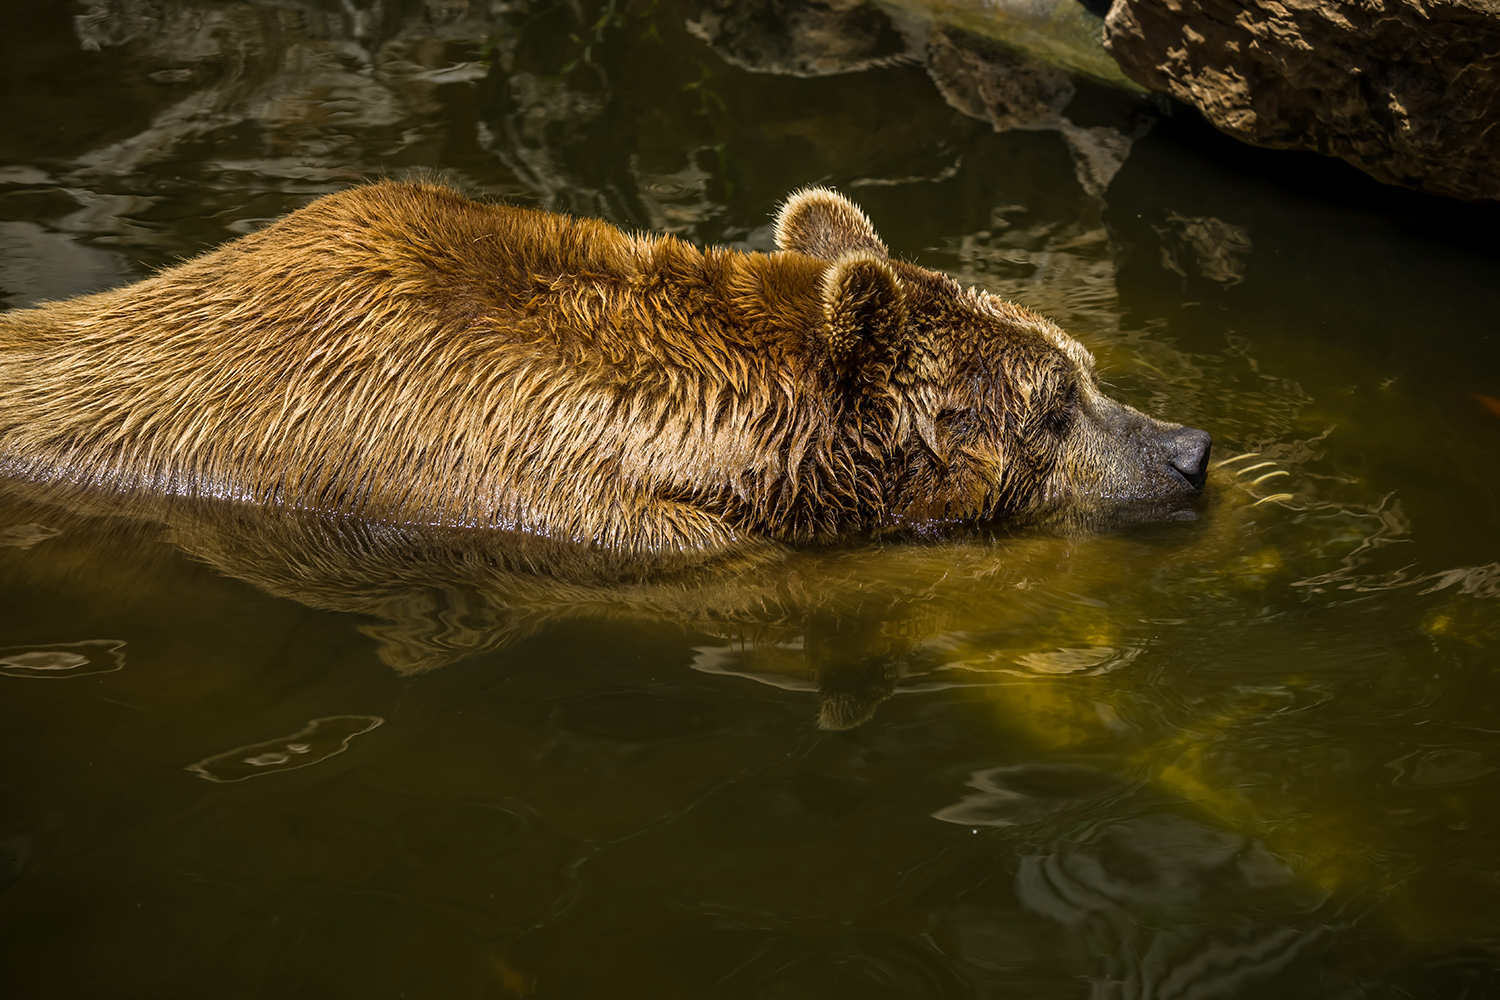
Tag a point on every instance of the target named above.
point(824, 224)
point(864, 318)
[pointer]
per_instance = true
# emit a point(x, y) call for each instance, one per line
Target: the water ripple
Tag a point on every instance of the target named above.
point(64, 659)
point(318, 740)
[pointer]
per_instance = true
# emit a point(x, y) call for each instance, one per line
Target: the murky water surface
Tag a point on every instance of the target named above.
point(1255, 754)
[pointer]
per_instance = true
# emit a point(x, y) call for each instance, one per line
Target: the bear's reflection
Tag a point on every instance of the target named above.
point(849, 615)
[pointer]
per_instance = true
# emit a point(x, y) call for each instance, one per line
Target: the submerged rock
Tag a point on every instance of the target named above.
point(1406, 90)
point(1000, 85)
point(796, 38)
point(1011, 89)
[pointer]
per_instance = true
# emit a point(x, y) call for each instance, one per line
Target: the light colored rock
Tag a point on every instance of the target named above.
point(1064, 33)
point(1406, 90)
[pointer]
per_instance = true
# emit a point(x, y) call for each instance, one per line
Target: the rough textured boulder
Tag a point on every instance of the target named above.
point(1406, 90)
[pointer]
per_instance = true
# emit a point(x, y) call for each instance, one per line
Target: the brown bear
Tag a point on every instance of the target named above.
point(401, 354)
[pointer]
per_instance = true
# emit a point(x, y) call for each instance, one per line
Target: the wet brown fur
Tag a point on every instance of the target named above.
point(399, 353)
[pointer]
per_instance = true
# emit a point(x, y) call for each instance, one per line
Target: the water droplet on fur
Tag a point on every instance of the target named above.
point(60, 660)
point(318, 740)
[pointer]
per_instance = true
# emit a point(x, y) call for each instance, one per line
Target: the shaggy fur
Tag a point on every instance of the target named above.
point(401, 354)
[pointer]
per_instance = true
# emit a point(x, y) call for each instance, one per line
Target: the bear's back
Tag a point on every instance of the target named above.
point(402, 353)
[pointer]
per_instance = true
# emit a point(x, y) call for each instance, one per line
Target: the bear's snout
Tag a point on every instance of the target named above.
point(1189, 449)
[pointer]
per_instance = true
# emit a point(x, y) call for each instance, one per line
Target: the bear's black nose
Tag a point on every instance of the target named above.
point(1189, 451)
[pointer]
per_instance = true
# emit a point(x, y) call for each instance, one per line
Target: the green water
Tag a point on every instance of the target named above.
point(1251, 755)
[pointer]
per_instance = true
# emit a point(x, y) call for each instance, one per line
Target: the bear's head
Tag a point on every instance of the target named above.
point(977, 408)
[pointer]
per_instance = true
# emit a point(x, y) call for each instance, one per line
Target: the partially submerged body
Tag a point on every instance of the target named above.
point(400, 354)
